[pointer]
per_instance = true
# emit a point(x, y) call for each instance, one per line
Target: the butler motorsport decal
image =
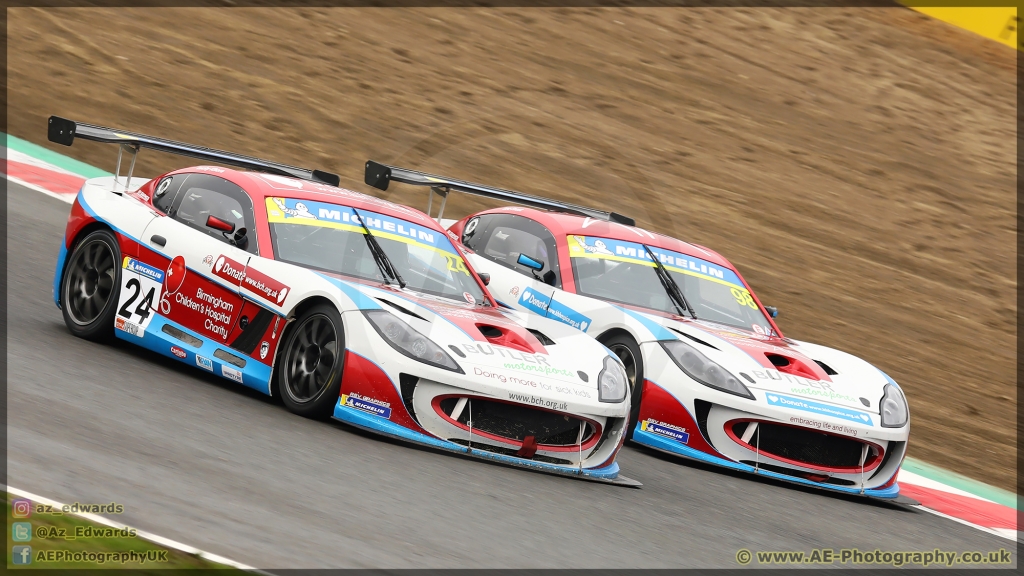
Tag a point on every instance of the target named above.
point(338, 217)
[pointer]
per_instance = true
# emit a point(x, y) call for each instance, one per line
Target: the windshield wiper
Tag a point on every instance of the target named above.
point(383, 262)
point(678, 300)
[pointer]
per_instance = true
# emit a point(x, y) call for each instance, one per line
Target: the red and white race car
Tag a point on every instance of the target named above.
point(340, 304)
point(711, 374)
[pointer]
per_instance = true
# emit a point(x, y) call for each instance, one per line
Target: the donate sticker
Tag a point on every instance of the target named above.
point(818, 408)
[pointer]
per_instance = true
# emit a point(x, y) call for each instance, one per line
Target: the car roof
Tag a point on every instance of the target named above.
point(261, 186)
point(562, 224)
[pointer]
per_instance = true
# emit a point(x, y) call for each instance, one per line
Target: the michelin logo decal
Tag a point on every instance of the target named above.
point(818, 408)
point(547, 306)
point(664, 429)
point(371, 405)
point(144, 269)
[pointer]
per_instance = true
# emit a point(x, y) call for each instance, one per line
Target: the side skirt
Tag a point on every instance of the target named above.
point(254, 374)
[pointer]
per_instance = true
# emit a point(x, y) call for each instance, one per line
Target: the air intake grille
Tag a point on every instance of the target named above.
point(806, 446)
point(516, 422)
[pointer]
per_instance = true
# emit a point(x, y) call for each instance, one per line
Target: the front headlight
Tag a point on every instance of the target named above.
point(611, 382)
point(702, 369)
point(408, 341)
point(893, 407)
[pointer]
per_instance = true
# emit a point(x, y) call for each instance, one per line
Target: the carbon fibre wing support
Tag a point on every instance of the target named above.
point(381, 175)
point(64, 131)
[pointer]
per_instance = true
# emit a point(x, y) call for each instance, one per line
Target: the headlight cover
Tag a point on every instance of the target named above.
point(702, 369)
point(611, 382)
point(893, 408)
point(408, 341)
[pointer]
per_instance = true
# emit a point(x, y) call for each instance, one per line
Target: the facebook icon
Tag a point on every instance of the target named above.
point(21, 554)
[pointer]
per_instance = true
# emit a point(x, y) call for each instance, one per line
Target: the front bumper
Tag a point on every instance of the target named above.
point(608, 473)
point(863, 462)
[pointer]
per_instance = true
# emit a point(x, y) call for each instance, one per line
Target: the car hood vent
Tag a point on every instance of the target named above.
point(507, 338)
point(790, 365)
point(694, 338)
point(402, 309)
point(541, 336)
point(828, 369)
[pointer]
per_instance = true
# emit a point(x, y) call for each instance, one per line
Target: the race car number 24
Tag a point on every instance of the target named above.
point(140, 288)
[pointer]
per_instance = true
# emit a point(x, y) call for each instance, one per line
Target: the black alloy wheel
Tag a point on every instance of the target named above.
point(310, 366)
point(90, 286)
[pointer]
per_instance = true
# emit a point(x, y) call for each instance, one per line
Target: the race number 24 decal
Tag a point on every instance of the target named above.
point(140, 288)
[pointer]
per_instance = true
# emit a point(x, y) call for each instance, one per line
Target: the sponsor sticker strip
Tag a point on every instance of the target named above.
point(818, 408)
point(622, 251)
point(664, 429)
point(548, 306)
point(338, 217)
point(371, 405)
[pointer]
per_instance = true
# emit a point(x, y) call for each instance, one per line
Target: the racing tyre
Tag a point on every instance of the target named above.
point(90, 287)
point(627, 350)
point(310, 365)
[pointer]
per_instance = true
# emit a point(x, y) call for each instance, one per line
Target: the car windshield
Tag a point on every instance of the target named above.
point(623, 272)
point(329, 237)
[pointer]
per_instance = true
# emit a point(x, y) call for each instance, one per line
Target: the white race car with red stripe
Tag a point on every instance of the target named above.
point(340, 304)
point(712, 376)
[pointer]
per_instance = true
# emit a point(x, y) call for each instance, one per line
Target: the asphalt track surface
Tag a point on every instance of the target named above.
point(209, 463)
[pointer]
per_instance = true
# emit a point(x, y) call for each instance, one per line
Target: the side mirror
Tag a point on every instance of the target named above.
point(548, 278)
point(218, 224)
point(772, 311)
point(484, 277)
point(240, 239)
point(529, 262)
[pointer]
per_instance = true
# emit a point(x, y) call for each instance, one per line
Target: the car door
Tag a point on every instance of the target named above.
point(202, 265)
point(499, 240)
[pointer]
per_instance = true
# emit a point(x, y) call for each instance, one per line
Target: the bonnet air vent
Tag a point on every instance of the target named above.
point(506, 338)
point(541, 336)
point(828, 369)
point(489, 331)
point(694, 338)
point(791, 366)
point(402, 309)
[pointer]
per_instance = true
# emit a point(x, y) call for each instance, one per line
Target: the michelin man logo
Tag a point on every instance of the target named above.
point(300, 210)
point(599, 246)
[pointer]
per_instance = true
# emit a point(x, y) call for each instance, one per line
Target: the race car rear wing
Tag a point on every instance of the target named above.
point(64, 131)
point(380, 175)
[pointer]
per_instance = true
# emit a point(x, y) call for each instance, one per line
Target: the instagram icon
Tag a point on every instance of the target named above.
point(21, 508)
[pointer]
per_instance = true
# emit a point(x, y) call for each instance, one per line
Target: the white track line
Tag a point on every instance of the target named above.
point(909, 478)
point(69, 198)
point(1008, 534)
point(166, 542)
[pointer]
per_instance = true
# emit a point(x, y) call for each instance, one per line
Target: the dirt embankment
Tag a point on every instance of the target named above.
point(858, 165)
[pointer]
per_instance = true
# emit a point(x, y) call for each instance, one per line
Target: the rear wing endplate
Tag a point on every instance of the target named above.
point(64, 131)
point(381, 175)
